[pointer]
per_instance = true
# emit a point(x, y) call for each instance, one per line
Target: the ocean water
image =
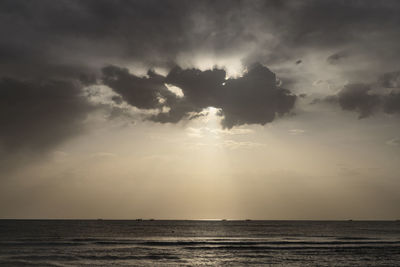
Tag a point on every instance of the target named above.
point(221, 243)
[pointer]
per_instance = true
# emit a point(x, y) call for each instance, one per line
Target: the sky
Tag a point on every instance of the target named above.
point(200, 109)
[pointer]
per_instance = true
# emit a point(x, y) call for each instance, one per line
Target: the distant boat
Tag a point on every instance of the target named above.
point(350, 220)
point(139, 219)
point(224, 220)
point(248, 220)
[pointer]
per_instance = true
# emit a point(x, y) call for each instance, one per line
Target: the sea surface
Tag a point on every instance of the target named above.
point(221, 243)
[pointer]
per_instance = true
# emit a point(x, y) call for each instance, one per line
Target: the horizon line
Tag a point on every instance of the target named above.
point(154, 219)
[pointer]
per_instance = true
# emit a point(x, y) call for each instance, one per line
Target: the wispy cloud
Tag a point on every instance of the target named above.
point(216, 132)
point(296, 131)
point(393, 142)
point(233, 145)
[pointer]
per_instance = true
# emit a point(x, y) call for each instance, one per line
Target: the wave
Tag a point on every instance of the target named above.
point(185, 243)
point(39, 243)
point(355, 238)
point(264, 248)
point(130, 257)
point(48, 257)
point(253, 243)
point(20, 262)
point(84, 255)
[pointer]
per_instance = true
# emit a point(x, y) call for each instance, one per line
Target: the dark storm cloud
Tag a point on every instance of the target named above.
point(391, 103)
point(47, 33)
point(158, 32)
point(356, 97)
point(35, 115)
point(71, 37)
point(363, 99)
point(390, 79)
point(201, 88)
point(252, 99)
point(368, 27)
point(141, 92)
point(335, 22)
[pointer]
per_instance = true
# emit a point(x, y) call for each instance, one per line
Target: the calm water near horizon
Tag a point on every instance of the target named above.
point(170, 243)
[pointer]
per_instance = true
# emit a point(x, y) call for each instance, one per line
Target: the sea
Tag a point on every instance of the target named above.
point(196, 243)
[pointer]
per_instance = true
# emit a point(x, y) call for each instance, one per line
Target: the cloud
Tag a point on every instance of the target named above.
point(66, 38)
point(103, 155)
point(393, 142)
point(364, 99)
point(233, 145)
point(35, 115)
point(236, 131)
point(225, 144)
point(141, 92)
point(356, 97)
point(253, 98)
point(71, 36)
point(201, 89)
point(391, 103)
point(206, 131)
point(66, 44)
point(337, 57)
point(390, 79)
point(296, 131)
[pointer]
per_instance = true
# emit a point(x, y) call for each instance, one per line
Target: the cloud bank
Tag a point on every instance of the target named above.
point(50, 50)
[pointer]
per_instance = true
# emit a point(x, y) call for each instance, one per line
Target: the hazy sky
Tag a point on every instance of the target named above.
point(200, 109)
